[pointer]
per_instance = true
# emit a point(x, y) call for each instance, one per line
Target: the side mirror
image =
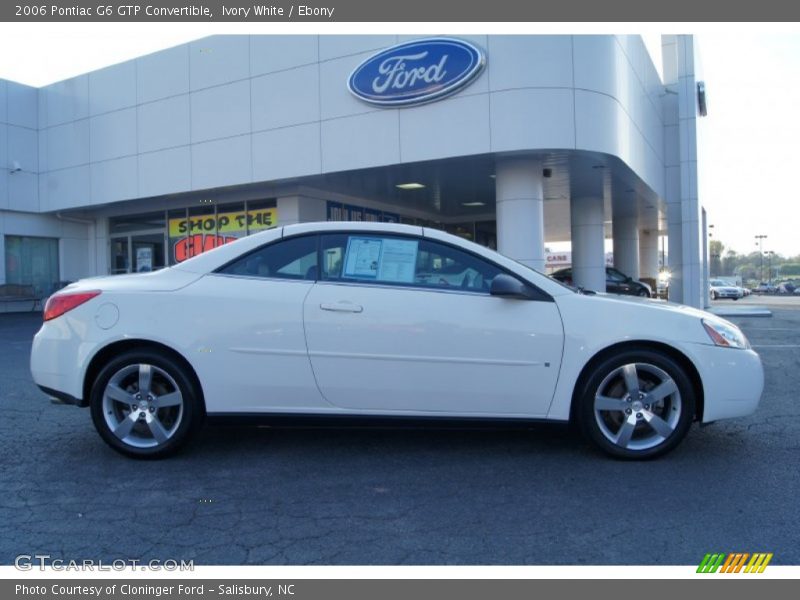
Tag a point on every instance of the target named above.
point(509, 287)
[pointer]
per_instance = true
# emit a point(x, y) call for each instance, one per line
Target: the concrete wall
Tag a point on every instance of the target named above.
point(229, 110)
point(19, 157)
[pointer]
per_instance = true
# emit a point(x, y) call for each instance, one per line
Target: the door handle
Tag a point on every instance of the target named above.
point(342, 307)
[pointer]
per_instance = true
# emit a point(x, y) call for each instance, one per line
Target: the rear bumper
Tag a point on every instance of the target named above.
point(57, 359)
point(64, 397)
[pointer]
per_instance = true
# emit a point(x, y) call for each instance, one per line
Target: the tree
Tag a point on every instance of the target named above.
point(715, 248)
point(791, 269)
point(731, 262)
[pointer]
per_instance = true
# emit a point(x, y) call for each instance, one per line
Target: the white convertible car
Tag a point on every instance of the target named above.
point(364, 320)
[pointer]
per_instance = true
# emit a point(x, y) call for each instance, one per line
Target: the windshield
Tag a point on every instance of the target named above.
point(561, 283)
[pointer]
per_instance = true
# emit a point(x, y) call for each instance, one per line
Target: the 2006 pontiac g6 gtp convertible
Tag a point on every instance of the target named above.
point(384, 321)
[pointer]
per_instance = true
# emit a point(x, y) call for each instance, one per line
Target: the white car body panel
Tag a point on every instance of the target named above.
point(432, 350)
point(264, 345)
point(245, 339)
point(593, 323)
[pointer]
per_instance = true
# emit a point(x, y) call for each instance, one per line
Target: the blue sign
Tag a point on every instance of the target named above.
point(416, 72)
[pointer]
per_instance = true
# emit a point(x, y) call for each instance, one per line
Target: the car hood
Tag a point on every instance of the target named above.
point(656, 304)
point(624, 318)
point(164, 280)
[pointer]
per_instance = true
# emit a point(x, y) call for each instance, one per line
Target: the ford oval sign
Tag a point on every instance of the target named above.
point(416, 72)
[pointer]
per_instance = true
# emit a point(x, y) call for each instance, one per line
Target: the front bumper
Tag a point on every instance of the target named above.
point(733, 381)
point(725, 294)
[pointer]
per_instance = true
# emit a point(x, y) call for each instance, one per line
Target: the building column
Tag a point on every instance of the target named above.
point(675, 244)
point(301, 209)
point(706, 287)
point(648, 254)
point(625, 231)
point(520, 210)
point(684, 218)
point(588, 243)
point(101, 248)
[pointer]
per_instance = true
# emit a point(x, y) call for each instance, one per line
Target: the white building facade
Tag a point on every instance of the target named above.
point(548, 139)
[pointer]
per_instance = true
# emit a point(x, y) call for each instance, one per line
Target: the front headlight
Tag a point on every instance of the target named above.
point(725, 334)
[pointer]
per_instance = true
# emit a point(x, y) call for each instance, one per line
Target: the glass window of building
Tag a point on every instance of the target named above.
point(32, 261)
point(261, 215)
point(134, 223)
point(141, 243)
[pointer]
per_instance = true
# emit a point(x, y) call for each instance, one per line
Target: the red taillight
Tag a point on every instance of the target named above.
point(58, 304)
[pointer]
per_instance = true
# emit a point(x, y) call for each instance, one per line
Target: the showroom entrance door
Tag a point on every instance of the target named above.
point(139, 253)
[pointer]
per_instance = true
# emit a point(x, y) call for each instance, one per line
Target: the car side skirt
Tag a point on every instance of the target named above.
point(374, 421)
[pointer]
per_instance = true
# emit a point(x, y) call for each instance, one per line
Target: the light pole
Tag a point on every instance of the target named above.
point(760, 243)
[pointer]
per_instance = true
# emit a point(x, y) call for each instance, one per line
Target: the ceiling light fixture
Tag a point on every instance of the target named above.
point(410, 186)
point(473, 204)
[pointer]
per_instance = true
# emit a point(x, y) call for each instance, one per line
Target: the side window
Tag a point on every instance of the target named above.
point(292, 258)
point(403, 261)
point(442, 266)
point(614, 275)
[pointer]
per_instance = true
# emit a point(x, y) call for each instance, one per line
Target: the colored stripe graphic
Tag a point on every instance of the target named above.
point(734, 562)
point(710, 563)
point(758, 563)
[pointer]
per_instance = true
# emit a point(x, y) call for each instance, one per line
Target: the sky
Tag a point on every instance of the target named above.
point(749, 144)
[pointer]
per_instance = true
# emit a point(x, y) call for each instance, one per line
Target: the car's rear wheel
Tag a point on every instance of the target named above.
point(637, 404)
point(643, 293)
point(145, 404)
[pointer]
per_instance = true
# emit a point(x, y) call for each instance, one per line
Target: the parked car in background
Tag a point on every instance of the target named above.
point(616, 282)
point(765, 288)
point(719, 290)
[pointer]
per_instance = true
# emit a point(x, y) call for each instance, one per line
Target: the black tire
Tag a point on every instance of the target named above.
point(115, 397)
point(714, 295)
point(658, 428)
point(643, 293)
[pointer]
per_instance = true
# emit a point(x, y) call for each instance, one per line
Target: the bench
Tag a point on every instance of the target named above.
point(16, 292)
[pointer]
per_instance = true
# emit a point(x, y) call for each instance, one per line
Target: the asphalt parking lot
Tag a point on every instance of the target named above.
point(349, 496)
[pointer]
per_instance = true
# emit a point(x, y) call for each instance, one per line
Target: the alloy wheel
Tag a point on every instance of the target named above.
point(142, 405)
point(637, 406)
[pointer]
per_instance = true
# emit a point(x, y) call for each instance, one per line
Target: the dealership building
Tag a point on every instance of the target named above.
point(515, 142)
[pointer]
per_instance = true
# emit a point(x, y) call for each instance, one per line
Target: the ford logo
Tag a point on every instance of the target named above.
point(416, 72)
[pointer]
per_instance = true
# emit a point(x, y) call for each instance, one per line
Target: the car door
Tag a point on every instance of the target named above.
point(251, 344)
point(407, 324)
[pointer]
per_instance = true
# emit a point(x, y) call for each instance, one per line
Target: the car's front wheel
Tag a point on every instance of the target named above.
point(637, 404)
point(145, 404)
